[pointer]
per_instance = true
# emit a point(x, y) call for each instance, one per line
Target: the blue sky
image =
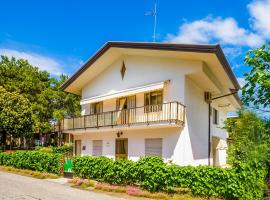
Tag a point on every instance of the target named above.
point(59, 36)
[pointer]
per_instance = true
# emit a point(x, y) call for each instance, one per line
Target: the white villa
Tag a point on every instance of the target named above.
point(143, 99)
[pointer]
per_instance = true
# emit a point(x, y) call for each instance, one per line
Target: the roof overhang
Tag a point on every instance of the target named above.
point(212, 55)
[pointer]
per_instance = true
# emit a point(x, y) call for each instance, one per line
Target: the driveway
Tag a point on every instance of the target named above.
point(18, 187)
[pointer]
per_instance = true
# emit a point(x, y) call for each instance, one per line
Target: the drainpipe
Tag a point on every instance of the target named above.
point(233, 91)
point(209, 132)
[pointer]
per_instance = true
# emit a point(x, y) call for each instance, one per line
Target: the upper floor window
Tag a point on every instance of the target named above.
point(96, 108)
point(153, 101)
point(215, 116)
point(126, 102)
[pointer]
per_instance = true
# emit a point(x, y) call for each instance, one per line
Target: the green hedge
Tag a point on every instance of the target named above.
point(65, 149)
point(33, 160)
point(245, 181)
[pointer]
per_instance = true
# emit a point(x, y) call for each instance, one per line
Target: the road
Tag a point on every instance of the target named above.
point(18, 187)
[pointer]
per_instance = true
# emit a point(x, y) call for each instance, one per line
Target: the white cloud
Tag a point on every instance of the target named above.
point(241, 81)
point(260, 16)
point(225, 31)
point(40, 61)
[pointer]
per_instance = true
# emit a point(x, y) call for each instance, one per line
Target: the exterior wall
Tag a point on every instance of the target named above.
point(141, 71)
point(187, 146)
point(175, 144)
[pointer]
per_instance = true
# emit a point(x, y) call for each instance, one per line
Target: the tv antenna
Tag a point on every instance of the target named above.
point(153, 13)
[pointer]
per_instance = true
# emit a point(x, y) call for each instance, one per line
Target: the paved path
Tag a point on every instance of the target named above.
point(18, 187)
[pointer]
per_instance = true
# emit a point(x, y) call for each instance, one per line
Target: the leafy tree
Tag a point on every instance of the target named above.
point(47, 101)
point(15, 115)
point(257, 88)
point(65, 104)
point(250, 136)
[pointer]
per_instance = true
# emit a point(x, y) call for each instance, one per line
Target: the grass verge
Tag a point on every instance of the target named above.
point(26, 172)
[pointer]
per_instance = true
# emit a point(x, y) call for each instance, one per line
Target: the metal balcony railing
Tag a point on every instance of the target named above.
point(173, 112)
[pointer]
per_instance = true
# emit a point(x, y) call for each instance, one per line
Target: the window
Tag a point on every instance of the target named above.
point(97, 148)
point(153, 147)
point(153, 101)
point(215, 116)
point(126, 102)
point(96, 108)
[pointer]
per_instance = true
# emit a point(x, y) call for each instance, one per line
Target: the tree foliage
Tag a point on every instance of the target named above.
point(47, 102)
point(257, 87)
point(16, 116)
point(250, 138)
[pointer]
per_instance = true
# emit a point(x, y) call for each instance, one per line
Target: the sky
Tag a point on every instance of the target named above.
point(59, 36)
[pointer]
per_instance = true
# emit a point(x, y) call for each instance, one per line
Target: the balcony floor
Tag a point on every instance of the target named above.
point(126, 127)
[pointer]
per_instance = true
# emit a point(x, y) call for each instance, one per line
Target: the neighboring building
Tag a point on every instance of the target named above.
point(141, 99)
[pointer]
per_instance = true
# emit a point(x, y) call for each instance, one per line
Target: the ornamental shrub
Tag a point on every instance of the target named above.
point(243, 181)
point(65, 149)
point(33, 160)
point(92, 167)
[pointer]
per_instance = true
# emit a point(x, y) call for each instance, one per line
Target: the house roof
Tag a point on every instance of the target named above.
point(200, 48)
point(196, 48)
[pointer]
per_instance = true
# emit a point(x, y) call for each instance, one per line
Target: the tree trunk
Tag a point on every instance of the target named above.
point(3, 139)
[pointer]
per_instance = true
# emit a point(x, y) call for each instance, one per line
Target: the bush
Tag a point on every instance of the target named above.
point(244, 181)
point(33, 160)
point(65, 149)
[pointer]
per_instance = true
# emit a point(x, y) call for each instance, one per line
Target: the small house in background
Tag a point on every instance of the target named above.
point(154, 99)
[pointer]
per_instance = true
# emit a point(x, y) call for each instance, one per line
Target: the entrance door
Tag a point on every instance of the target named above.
point(78, 146)
point(121, 148)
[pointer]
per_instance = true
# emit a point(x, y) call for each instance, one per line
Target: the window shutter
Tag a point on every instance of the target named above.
point(97, 148)
point(153, 147)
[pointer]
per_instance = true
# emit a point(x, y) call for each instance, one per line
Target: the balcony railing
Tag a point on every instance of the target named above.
point(173, 112)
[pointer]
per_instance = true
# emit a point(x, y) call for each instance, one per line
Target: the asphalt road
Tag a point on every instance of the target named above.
point(18, 187)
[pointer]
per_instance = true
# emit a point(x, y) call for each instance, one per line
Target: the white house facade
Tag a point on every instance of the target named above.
point(143, 99)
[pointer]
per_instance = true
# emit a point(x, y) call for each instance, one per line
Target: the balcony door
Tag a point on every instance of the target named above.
point(126, 107)
point(121, 148)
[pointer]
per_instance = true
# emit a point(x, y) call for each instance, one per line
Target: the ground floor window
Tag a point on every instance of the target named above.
point(97, 148)
point(153, 147)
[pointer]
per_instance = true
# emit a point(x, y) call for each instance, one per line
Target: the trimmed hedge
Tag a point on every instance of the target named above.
point(65, 149)
point(245, 181)
point(33, 160)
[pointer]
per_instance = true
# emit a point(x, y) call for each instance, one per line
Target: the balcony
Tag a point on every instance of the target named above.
point(167, 113)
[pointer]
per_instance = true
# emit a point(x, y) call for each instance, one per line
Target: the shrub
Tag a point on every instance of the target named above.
point(33, 160)
point(244, 181)
point(92, 167)
point(44, 149)
point(120, 172)
point(65, 149)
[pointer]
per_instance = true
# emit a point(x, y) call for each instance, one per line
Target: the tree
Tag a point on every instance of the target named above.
point(16, 116)
point(250, 136)
point(47, 101)
point(65, 104)
point(257, 87)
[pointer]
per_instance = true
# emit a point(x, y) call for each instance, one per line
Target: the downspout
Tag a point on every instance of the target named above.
point(209, 132)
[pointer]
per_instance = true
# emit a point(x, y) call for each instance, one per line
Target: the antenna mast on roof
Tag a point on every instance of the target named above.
point(153, 13)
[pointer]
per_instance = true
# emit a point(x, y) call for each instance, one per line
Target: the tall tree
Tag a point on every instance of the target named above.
point(250, 138)
point(16, 116)
point(257, 88)
point(65, 104)
point(47, 101)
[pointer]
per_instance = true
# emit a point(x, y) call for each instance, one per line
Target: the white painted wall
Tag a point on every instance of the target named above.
point(187, 146)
